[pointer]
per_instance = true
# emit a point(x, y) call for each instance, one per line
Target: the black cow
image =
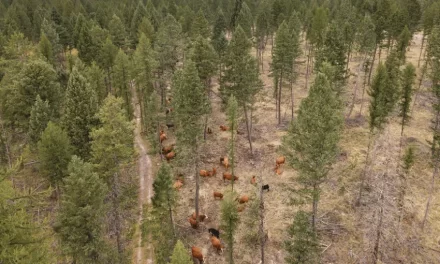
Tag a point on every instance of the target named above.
point(265, 187)
point(214, 232)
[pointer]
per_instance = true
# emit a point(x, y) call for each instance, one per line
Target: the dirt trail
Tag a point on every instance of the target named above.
point(145, 185)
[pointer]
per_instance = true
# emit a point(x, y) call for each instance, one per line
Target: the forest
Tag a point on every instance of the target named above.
point(219, 131)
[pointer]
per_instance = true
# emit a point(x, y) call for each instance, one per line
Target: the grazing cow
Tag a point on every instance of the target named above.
point(277, 170)
point(202, 217)
point(205, 173)
point(197, 254)
point(218, 195)
point(162, 137)
point(167, 149)
point(214, 232)
point(216, 243)
point(253, 180)
point(168, 101)
point(265, 187)
point(209, 130)
point(214, 171)
point(225, 162)
point(228, 176)
point(193, 223)
point(280, 160)
point(168, 110)
point(243, 199)
point(170, 155)
point(178, 184)
point(224, 128)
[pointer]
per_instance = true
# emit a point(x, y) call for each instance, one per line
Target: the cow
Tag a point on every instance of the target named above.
point(209, 130)
point(197, 254)
point(214, 171)
point(277, 170)
point(204, 173)
point(216, 243)
point(178, 184)
point(218, 195)
point(228, 176)
point(225, 162)
point(280, 160)
point(162, 137)
point(194, 224)
point(167, 149)
point(224, 128)
point(202, 217)
point(265, 187)
point(253, 180)
point(214, 232)
point(170, 155)
point(168, 110)
point(243, 199)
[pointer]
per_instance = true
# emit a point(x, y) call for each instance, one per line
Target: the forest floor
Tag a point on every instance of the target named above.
point(345, 231)
point(143, 251)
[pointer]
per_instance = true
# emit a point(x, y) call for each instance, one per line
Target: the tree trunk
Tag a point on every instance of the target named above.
point(421, 49)
point(275, 95)
point(248, 127)
point(205, 127)
point(416, 96)
point(233, 128)
point(292, 98)
point(279, 98)
point(116, 214)
point(363, 91)
point(379, 225)
point(262, 234)
point(364, 172)
point(307, 66)
point(171, 218)
point(8, 153)
point(197, 183)
point(372, 65)
point(315, 205)
point(355, 88)
point(348, 57)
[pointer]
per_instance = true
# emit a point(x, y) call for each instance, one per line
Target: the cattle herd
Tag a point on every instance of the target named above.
point(194, 220)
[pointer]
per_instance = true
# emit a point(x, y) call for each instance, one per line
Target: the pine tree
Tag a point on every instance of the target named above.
point(96, 78)
point(232, 113)
point(79, 220)
point(229, 222)
point(403, 43)
point(408, 78)
point(163, 204)
point(117, 31)
point(311, 144)
point(190, 105)
point(54, 152)
point(80, 107)
point(138, 16)
point(302, 245)
point(146, 28)
point(262, 30)
point(144, 64)
point(85, 43)
point(200, 26)
point(121, 80)
point(205, 58)
point(106, 61)
point(40, 116)
point(245, 19)
point(22, 237)
point(48, 29)
point(45, 48)
point(392, 90)
point(180, 256)
point(218, 39)
point(36, 78)
point(241, 77)
point(112, 148)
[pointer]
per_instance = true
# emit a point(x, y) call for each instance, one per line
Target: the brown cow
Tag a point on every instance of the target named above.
point(205, 173)
point(253, 180)
point(193, 223)
point(209, 130)
point(216, 243)
point(162, 137)
point(197, 254)
point(170, 155)
point(278, 170)
point(224, 128)
point(218, 195)
point(280, 160)
point(225, 162)
point(214, 171)
point(243, 199)
point(228, 176)
point(202, 217)
point(178, 184)
point(167, 149)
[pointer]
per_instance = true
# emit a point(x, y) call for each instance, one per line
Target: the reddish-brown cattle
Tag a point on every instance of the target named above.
point(178, 184)
point(216, 243)
point(243, 199)
point(193, 223)
point(253, 180)
point(280, 160)
point(224, 128)
point(162, 137)
point(225, 162)
point(167, 149)
point(170, 155)
point(214, 171)
point(218, 195)
point(202, 217)
point(197, 254)
point(205, 173)
point(228, 176)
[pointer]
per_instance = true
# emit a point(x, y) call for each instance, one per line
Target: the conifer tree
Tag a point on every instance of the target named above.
point(311, 144)
point(245, 19)
point(22, 237)
point(121, 80)
point(262, 31)
point(302, 245)
point(117, 31)
point(162, 214)
point(146, 28)
point(138, 15)
point(96, 78)
point(241, 77)
point(229, 222)
point(45, 48)
point(408, 78)
point(232, 113)
point(392, 90)
point(402, 43)
point(112, 148)
point(79, 221)
point(205, 58)
point(200, 26)
point(54, 152)
point(218, 39)
point(85, 43)
point(107, 56)
point(40, 116)
point(80, 107)
point(190, 105)
point(48, 29)
point(180, 256)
